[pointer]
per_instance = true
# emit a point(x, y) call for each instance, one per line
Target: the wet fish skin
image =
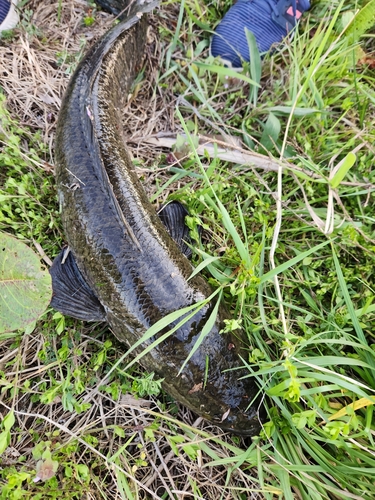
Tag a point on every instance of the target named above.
point(113, 6)
point(123, 251)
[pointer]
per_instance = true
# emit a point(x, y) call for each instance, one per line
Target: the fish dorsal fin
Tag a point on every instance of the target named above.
point(173, 216)
point(72, 296)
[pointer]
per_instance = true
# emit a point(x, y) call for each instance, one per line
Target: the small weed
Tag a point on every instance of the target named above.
point(89, 20)
point(71, 60)
point(7, 35)
point(27, 24)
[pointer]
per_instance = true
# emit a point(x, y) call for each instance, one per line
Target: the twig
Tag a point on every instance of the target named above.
point(42, 253)
point(235, 154)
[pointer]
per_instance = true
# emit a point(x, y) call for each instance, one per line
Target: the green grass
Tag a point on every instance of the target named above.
point(292, 253)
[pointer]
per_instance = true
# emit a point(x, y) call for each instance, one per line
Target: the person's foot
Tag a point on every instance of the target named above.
point(8, 15)
point(269, 20)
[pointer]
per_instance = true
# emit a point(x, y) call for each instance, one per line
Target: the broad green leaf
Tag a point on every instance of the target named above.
point(191, 450)
point(8, 421)
point(271, 132)
point(4, 441)
point(25, 288)
point(7, 424)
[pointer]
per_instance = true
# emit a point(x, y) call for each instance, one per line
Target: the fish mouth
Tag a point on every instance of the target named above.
point(251, 430)
point(244, 424)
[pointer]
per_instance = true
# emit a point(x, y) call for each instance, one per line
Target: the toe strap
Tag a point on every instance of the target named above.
point(288, 12)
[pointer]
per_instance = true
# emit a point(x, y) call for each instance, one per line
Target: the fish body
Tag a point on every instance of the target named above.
point(116, 7)
point(124, 267)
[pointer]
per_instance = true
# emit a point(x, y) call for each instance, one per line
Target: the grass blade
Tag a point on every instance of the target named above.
point(342, 169)
point(223, 71)
point(349, 304)
point(292, 262)
point(205, 331)
point(255, 65)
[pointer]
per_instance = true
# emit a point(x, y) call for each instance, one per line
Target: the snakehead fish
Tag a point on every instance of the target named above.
point(123, 266)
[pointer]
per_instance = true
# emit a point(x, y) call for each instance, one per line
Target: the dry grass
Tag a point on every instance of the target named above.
point(164, 472)
point(36, 70)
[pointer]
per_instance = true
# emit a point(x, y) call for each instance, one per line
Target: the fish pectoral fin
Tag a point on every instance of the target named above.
point(72, 296)
point(173, 216)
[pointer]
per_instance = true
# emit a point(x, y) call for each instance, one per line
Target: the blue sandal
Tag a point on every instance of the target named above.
point(8, 14)
point(269, 20)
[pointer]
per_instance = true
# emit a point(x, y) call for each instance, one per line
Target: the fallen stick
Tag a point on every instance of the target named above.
point(225, 154)
point(235, 154)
